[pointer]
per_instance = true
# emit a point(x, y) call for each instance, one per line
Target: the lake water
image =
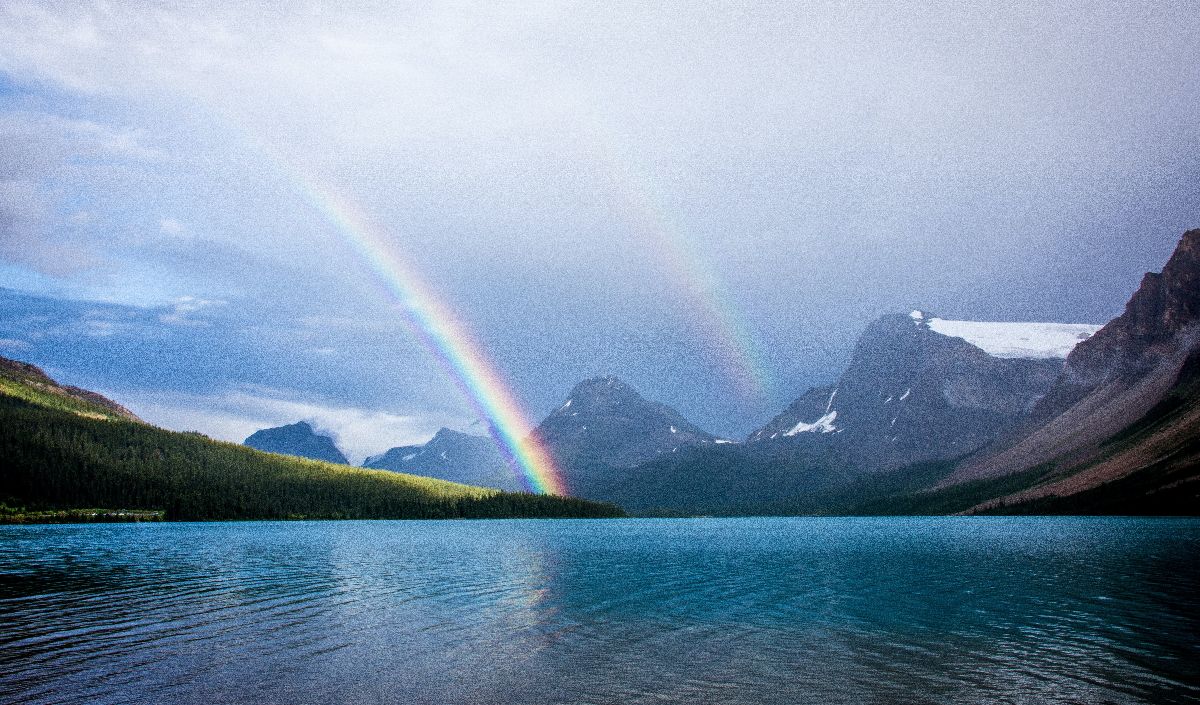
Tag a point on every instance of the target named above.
point(938, 610)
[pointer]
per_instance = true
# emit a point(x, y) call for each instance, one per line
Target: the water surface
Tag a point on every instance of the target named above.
point(937, 610)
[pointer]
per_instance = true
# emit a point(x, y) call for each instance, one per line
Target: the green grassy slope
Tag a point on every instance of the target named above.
point(59, 452)
point(24, 381)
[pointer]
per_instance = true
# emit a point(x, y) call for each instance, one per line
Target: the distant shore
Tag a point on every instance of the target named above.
point(80, 516)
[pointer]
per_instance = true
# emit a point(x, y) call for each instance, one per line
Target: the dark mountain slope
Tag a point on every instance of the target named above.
point(296, 439)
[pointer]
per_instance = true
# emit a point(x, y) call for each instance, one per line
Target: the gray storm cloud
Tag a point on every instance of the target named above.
point(822, 163)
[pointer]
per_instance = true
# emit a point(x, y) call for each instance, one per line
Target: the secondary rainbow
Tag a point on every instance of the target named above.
point(447, 338)
point(641, 206)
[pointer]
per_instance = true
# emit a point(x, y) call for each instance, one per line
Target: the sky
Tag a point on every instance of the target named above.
point(708, 200)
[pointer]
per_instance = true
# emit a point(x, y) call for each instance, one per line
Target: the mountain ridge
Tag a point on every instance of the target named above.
point(913, 394)
point(32, 383)
point(65, 456)
point(454, 456)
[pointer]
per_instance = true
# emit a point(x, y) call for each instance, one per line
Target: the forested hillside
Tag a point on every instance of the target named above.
point(65, 454)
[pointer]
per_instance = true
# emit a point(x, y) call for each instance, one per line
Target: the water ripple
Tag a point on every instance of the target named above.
point(939, 610)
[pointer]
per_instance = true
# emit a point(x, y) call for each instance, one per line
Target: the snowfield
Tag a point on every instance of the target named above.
point(1037, 341)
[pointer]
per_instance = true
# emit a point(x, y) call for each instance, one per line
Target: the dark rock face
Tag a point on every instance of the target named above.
point(606, 422)
point(453, 456)
point(910, 395)
point(296, 439)
point(1166, 305)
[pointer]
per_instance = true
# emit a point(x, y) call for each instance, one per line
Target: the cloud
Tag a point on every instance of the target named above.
point(36, 142)
point(170, 226)
point(235, 414)
point(14, 344)
point(545, 165)
point(38, 152)
point(179, 312)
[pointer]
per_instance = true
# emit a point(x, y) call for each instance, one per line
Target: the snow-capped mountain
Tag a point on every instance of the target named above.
point(296, 439)
point(920, 387)
point(451, 455)
point(606, 422)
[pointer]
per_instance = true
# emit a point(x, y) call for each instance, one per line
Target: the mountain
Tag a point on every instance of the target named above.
point(605, 426)
point(296, 439)
point(68, 453)
point(1127, 402)
point(920, 392)
point(921, 388)
point(453, 456)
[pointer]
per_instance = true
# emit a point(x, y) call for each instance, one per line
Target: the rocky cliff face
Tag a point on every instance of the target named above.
point(296, 439)
point(606, 422)
point(1113, 379)
point(1159, 318)
point(912, 393)
point(454, 456)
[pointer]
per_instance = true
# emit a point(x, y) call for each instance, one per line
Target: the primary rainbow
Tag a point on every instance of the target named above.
point(448, 340)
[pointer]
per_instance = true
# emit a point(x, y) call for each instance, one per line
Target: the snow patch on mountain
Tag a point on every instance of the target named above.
point(821, 425)
point(1032, 341)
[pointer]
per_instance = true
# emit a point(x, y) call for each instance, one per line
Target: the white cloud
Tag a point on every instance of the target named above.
point(180, 310)
point(234, 415)
point(38, 152)
point(36, 141)
point(14, 344)
point(170, 226)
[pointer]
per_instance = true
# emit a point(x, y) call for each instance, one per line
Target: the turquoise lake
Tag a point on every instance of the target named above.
point(780, 610)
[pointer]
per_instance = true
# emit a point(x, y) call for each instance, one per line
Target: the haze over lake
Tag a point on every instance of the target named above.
point(938, 610)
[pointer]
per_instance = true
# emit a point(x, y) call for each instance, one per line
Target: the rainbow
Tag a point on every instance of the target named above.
point(448, 340)
point(642, 208)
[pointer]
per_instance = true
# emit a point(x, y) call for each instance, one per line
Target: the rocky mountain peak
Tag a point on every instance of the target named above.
point(602, 393)
point(606, 421)
point(1169, 301)
point(919, 387)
